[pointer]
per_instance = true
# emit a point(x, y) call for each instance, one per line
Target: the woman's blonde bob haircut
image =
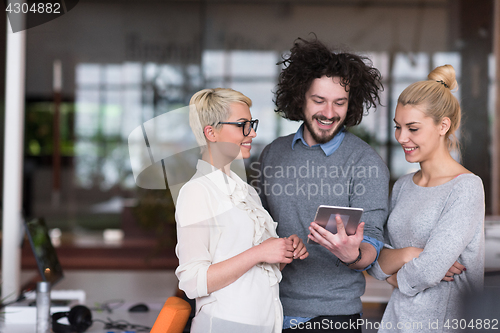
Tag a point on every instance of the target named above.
point(436, 100)
point(208, 107)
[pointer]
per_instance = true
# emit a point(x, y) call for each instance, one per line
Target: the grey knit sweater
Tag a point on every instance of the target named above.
point(447, 222)
point(293, 183)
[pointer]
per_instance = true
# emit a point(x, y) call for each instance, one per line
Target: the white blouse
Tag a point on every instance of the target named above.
point(219, 217)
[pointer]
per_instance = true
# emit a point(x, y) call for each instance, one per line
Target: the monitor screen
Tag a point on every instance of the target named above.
point(43, 250)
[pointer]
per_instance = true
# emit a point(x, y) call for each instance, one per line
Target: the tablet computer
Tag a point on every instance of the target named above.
point(351, 217)
point(45, 254)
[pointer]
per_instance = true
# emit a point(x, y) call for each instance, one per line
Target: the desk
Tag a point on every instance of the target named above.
point(150, 287)
point(146, 319)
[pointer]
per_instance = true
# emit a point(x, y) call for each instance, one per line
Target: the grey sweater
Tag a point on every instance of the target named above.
point(293, 183)
point(447, 222)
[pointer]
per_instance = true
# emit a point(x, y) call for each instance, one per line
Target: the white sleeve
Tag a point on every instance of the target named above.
point(196, 226)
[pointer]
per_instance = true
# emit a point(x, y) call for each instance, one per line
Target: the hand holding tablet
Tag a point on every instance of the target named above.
point(326, 218)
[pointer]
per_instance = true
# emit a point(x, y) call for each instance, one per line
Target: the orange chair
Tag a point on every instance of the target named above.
point(173, 316)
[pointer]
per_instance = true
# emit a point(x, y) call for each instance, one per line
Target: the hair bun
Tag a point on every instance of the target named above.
point(443, 83)
point(444, 75)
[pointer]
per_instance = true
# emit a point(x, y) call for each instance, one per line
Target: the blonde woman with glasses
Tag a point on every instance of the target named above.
point(229, 252)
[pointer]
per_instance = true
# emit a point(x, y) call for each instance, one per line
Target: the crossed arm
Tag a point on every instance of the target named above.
point(346, 247)
point(391, 261)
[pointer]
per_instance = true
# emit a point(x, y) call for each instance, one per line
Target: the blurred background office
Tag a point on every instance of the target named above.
point(121, 63)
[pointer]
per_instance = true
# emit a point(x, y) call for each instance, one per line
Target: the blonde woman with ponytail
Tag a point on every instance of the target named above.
point(435, 228)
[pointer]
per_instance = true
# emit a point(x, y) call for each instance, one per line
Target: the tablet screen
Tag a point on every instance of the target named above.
point(326, 217)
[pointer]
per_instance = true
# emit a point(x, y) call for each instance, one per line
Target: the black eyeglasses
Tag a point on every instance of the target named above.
point(246, 125)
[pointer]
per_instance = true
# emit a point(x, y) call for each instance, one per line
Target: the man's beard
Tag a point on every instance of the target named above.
point(325, 138)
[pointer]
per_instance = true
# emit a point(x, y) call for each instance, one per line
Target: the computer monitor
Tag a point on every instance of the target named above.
point(45, 254)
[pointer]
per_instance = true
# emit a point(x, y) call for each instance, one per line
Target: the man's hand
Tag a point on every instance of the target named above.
point(344, 247)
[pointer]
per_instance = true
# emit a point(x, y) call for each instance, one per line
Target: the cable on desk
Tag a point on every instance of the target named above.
point(108, 306)
point(123, 325)
point(22, 297)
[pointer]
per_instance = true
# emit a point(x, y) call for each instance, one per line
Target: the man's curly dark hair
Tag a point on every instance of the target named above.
point(311, 60)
